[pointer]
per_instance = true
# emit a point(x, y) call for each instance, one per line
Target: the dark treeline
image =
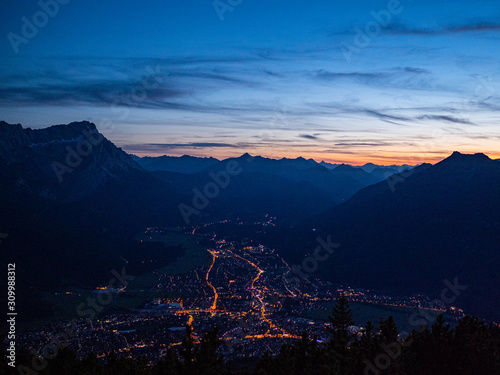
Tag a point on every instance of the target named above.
point(471, 348)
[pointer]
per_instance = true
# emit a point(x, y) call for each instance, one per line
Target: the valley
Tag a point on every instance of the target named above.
point(240, 287)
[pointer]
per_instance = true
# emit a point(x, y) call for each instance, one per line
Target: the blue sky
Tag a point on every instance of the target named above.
point(383, 81)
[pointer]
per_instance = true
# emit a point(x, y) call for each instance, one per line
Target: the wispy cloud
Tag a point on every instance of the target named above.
point(309, 136)
point(196, 145)
point(96, 93)
point(471, 27)
point(328, 75)
point(167, 83)
point(404, 78)
point(478, 26)
point(444, 118)
point(385, 116)
point(165, 147)
point(413, 70)
point(368, 144)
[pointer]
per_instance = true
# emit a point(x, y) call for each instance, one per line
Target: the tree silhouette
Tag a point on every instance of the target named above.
point(471, 348)
point(388, 330)
point(341, 320)
point(168, 365)
point(208, 361)
point(186, 349)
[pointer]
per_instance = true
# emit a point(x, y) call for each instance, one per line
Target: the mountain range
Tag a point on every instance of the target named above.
point(414, 231)
point(72, 203)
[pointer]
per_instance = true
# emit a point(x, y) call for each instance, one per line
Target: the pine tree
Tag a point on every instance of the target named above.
point(341, 320)
point(441, 331)
point(368, 342)
point(91, 364)
point(389, 330)
point(208, 361)
point(168, 365)
point(186, 348)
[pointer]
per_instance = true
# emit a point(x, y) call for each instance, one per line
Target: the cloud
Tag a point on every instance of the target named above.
point(272, 73)
point(399, 115)
point(194, 145)
point(102, 93)
point(399, 29)
point(212, 77)
point(169, 95)
point(408, 69)
point(139, 83)
point(474, 27)
point(308, 136)
point(325, 74)
point(371, 143)
point(384, 116)
point(350, 110)
point(356, 144)
point(406, 78)
point(471, 27)
point(445, 118)
point(364, 78)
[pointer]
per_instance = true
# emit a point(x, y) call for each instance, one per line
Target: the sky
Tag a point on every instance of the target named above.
point(390, 82)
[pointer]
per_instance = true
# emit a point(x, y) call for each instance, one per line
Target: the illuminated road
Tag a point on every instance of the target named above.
point(216, 296)
point(255, 291)
point(258, 291)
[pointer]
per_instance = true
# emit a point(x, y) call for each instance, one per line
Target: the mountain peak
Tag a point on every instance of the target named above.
point(71, 131)
point(369, 167)
point(459, 157)
point(345, 168)
point(10, 131)
point(81, 125)
point(58, 162)
point(465, 161)
point(4, 124)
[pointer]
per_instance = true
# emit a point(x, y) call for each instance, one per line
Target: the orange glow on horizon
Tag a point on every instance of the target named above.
point(357, 159)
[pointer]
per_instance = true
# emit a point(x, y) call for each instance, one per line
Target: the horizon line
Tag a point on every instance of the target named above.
point(360, 164)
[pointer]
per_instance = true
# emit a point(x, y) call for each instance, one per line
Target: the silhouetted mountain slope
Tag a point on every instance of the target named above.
point(183, 164)
point(250, 195)
point(357, 174)
point(437, 223)
point(384, 171)
point(338, 186)
point(44, 161)
point(76, 164)
point(329, 166)
point(71, 202)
